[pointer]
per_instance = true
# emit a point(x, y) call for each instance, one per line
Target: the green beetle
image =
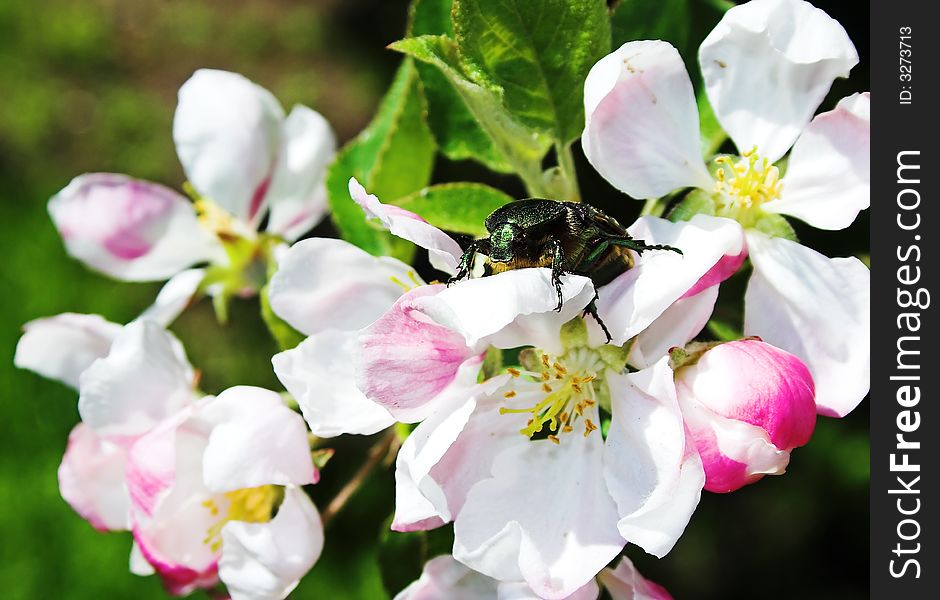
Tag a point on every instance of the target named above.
point(568, 237)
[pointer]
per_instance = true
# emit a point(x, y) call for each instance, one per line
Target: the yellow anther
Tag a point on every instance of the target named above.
point(514, 372)
point(589, 426)
point(510, 394)
point(748, 182)
point(546, 388)
point(567, 429)
point(545, 360)
point(554, 439)
point(559, 368)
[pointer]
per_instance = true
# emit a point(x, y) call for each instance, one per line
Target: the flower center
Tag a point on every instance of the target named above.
point(252, 505)
point(557, 392)
point(747, 183)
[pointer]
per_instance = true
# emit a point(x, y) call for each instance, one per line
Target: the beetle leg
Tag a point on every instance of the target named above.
point(638, 246)
point(591, 309)
point(558, 262)
point(466, 261)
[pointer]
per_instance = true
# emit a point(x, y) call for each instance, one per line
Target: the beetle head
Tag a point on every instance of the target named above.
point(505, 239)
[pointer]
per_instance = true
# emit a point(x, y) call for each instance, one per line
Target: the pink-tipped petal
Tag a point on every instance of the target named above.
point(829, 172)
point(63, 346)
point(228, 135)
point(297, 193)
point(817, 308)
point(443, 251)
point(130, 229)
point(405, 360)
point(767, 65)
point(642, 131)
point(632, 301)
point(91, 479)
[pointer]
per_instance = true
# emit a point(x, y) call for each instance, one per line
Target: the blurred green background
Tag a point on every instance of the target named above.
point(90, 86)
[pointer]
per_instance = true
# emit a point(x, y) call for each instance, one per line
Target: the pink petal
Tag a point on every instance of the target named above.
point(91, 479)
point(829, 172)
point(747, 405)
point(642, 131)
point(443, 251)
point(406, 360)
point(128, 228)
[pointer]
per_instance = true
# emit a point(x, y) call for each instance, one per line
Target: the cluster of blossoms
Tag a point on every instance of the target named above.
point(549, 442)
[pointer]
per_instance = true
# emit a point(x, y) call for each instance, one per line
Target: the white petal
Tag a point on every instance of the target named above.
point(444, 577)
point(440, 444)
point(636, 298)
point(413, 512)
point(521, 591)
point(138, 564)
point(544, 517)
point(173, 298)
point(63, 346)
point(228, 133)
point(331, 284)
point(642, 130)
point(767, 65)
point(265, 561)
point(443, 252)
point(144, 379)
point(297, 193)
point(256, 441)
point(817, 308)
point(625, 583)
point(828, 174)
point(130, 229)
point(509, 309)
point(676, 327)
point(319, 375)
point(653, 474)
point(91, 479)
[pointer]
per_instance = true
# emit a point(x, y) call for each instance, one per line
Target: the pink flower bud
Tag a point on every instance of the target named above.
point(746, 404)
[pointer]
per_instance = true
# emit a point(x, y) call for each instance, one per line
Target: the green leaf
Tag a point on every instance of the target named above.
point(695, 202)
point(516, 144)
point(538, 52)
point(713, 136)
point(392, 157)
point(286, 336)
point(667, 20)
point(458, 133)
point(775, 226)
point(456, 207)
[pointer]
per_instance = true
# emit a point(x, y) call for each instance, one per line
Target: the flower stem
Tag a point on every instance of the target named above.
point(568, 171)
point(377, 453)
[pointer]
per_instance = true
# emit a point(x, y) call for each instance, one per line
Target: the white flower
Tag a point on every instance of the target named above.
point(444, 577)
point(767, 66)
point(243, 158)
